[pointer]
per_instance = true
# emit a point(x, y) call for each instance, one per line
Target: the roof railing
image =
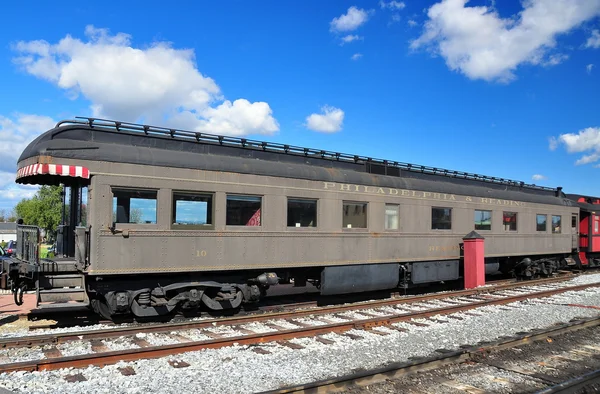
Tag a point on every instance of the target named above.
point(244, 143)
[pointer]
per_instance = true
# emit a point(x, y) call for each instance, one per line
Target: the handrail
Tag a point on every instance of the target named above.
point(28, 243)
point(244, 143)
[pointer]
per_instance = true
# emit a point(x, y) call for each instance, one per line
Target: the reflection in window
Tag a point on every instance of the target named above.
point(556, 224)
point(441, 218)
point(541, 222)
point(509, 220)
point(243, 210)
point(596, 222)
point(354, 215)
point(302, 213)
point(483, 220)
point(192, 209)
point(134, 206)
point(392, 216)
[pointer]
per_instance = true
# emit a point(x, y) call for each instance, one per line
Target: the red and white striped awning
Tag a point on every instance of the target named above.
point(53, 169)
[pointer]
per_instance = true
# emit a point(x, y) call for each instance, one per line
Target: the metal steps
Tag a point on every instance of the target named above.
point(63, 295)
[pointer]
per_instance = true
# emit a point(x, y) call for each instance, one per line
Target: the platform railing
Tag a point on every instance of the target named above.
point(28, 243)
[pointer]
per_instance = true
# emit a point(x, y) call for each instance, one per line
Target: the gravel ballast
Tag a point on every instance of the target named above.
point(240, 369)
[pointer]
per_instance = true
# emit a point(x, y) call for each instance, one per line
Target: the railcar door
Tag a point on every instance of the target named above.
point(574, 232)
point(594, 232)
point(584, 229)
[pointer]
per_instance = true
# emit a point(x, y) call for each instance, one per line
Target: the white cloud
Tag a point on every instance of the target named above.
point(589, 68)
point(587, 159)
point(555, 59)
point(356, 56)
point(586, 140)
point(329, 121)
point(412, 23)
point(155, 84)
point(479, 43)
point(350, 37)
point(392, 5)
point(538, 177)
point(594, 40)
point(16, 134)
point(351, 20)
point(239, 118)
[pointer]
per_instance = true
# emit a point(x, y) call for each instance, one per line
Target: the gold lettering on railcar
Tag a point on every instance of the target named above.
point(448, 248)
point(201, 253)
point(347, 187)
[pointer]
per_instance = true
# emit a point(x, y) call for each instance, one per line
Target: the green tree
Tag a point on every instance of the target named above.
point(43, 209)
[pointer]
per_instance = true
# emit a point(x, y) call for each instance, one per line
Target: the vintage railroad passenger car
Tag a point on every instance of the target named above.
point(179, 219)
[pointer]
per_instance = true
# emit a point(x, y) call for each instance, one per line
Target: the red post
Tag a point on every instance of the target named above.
point(474, 267)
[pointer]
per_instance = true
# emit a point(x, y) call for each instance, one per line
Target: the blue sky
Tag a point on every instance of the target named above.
point(505, 89)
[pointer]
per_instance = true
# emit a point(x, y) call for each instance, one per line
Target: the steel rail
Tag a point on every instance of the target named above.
point(574, 385)
point(472, 353)
point(112, 357)
point(37, 340)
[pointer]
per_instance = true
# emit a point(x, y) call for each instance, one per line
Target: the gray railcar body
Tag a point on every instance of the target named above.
point(124, 266)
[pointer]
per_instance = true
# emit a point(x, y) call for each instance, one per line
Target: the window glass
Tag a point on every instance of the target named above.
point(483, 220)
point(596, 222)
point(509, 221)
point(392, 216)
point(441, 218)
point(541, 222)
point(301, 213)
point(192, 209)
point(134, 206)
point(354, 215)
point(84, 207)
point(574, 221)
point(556, 224)
point(243, 210)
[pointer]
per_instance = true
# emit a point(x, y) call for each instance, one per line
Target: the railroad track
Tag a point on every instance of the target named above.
point(472, 354)
point(310, 308)
point(274, 327)
point(277, 303)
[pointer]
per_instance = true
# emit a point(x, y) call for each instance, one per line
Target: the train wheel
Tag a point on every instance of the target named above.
point(100, 307)
point(219, 303)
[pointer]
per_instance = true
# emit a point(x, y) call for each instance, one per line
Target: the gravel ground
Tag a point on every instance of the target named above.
point(248, 371)
point(239, 369)
point(528, 368)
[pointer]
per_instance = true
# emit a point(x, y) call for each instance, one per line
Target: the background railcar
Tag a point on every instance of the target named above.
point(183, 219)
point(588, 230)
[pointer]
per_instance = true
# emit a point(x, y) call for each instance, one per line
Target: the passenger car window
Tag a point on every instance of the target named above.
point(243, 210)
point(301, 213)
point(441, 218)
point(392, 216)
point(192, 209)
point(509, 220)
point(541, 222)
point(556, 224)
point(483, 220)
point(134, 206)
point(354, 214)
